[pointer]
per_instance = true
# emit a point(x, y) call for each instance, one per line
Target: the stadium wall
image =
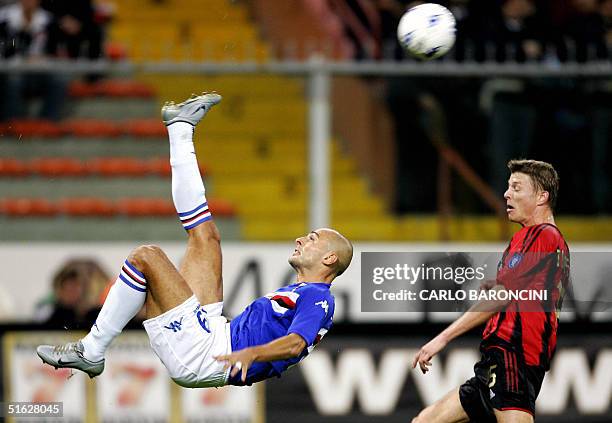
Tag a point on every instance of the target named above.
point(254, 269)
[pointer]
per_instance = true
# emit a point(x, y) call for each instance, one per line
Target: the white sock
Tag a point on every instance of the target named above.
point(188, 190)
point(125, 299)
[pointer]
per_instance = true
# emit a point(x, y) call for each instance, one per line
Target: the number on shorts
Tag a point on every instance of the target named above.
point(492, 376)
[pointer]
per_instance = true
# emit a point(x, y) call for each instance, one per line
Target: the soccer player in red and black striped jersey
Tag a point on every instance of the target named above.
point(520, 336)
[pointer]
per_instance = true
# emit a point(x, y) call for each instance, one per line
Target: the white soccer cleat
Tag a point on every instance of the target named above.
point(69, 356)
point(190, 111)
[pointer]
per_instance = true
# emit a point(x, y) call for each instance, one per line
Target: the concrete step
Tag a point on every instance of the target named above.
point(83, 147)
point(51, 189)
point(112, 108)
point(143, 230)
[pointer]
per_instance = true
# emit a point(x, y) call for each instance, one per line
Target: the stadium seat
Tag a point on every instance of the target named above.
point(27, 207)
point(145, 128)
point(81, 89)
point(34, 128)
point(91, 128)
point(124, 88)
point(160, 166)
point(118, 166)
point(13, 168)
point(58, 167)
point(139, 207)
point(98, 207)
point(111, 88)
point(222, 208)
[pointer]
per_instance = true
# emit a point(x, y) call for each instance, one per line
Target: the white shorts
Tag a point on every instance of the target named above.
point(187, 338)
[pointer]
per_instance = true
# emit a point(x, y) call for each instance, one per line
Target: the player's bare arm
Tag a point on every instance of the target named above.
point(289, 346)
point(477, 315)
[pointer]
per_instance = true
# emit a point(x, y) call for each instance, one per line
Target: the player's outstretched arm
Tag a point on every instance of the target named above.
point(288, 346)
point(478, 314)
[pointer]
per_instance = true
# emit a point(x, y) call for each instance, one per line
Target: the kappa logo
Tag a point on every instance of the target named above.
point(175, 326)
point(323, 305)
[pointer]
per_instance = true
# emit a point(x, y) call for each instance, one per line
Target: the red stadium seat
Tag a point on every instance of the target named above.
point(145, 128)
point(92, 128)
point(118, 166)
point(111, 88)
point(91, 207)
point(160, 166)
point(115, 51)
point(59, 166)
point(139, 207)
point(34, 128)
point(13, 167)
point(222, 208)
point(82, 89)
point(124, 88)
point(27, 207)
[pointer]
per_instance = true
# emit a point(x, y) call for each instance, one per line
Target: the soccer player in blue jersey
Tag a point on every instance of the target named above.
point(198, 346)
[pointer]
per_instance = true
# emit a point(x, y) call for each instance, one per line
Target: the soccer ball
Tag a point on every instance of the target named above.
point(427, 31)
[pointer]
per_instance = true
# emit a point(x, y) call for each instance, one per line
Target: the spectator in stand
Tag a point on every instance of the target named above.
point(23, 37)
point(585, 31)
point(605, 9)
point(510, 30)
point(74, 302)
point(74, 31)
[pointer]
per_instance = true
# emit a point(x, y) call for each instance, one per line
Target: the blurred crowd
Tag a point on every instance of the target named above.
point(32, 30)
point(488, 30)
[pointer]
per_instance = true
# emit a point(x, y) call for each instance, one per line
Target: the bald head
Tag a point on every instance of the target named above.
point(340, 246)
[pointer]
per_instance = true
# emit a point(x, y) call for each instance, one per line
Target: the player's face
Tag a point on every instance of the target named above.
point(521, 198)
point(309, 250)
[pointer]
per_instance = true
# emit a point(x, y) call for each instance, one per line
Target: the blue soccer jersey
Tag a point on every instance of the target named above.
point(303, 308)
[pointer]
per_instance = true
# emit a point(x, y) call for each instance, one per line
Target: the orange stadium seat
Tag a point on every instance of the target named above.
point(27, 207)
point(91, 128)
point(58, 166)
point(13, 167)
point(98, 207)
point(222, 208)
point(111, 88)
point(124, 88)
point(145, 128)
point(146, 207)
point(34, 128)
point(118, 166)
point(82, 89)
point(159, 166)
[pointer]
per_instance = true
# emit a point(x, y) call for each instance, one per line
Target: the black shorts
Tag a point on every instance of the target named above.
point(502, 381)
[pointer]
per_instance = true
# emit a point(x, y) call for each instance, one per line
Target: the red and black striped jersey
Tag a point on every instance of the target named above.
point(537, 258)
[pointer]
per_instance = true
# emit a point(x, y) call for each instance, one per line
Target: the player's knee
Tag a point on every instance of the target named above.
point(145, 255)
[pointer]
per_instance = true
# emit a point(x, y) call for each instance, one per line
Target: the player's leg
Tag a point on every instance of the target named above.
point(446, 410)
point(146, 275)
point(201, 265)
point(513, 416)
